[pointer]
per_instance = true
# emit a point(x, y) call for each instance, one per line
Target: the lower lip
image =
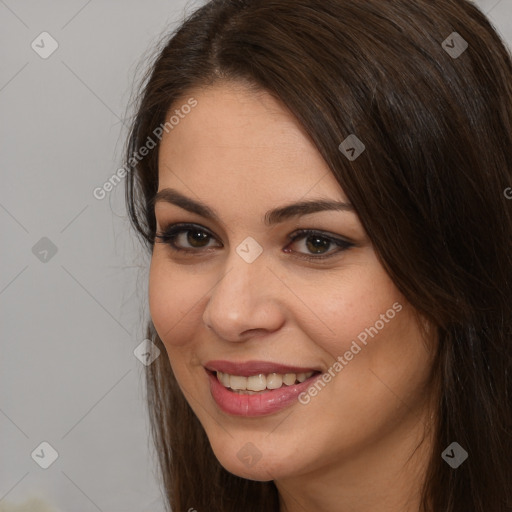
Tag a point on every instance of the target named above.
point(260, 404)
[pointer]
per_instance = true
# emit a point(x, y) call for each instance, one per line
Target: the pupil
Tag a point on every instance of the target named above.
point(195, 238)
point(318, 244)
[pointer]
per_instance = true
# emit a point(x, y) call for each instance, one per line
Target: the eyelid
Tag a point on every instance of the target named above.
point(171, 231)
point(342, 244)
point(298, 233)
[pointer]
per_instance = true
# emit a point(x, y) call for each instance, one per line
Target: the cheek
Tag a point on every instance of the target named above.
point(350, 310)
point(174, 302)
point(385, 361)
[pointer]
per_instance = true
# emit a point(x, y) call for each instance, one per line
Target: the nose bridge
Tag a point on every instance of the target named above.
point(244, 298)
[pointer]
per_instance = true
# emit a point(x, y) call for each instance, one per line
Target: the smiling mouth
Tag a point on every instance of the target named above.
point(260, 383)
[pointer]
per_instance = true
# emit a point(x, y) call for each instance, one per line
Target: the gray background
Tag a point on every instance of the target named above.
point(70, 321)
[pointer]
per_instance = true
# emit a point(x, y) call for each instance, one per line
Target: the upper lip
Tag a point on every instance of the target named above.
point(248, 368)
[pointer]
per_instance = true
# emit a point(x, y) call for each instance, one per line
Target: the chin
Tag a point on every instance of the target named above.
point(251, 463)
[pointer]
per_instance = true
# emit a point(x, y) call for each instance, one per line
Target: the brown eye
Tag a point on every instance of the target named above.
point(197, 237)
point(186, 237)
point(316, 245)
point(309, 244)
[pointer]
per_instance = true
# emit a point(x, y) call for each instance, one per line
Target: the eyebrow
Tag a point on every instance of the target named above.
point(274, 216)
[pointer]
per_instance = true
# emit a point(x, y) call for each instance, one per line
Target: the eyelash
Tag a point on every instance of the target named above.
point(171, 232)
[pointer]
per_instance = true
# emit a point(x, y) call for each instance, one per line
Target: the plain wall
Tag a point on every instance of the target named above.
point(70, 321)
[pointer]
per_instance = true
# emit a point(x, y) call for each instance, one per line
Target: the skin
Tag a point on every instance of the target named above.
point(356, 446)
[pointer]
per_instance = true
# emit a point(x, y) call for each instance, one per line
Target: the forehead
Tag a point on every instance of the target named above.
point(237, 141)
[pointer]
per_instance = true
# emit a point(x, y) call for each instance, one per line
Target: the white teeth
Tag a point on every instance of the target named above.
point(224, 379)
point(257, 383)
point(236, 382)
point(289, 378)
point(274, 381)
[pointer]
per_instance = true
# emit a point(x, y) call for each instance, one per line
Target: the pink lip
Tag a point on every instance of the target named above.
point(260, 404)
point(248, 368)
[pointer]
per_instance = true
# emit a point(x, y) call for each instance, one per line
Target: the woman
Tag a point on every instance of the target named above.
point(320, 185)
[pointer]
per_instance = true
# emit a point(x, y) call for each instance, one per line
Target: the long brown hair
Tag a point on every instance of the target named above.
point(436, 120)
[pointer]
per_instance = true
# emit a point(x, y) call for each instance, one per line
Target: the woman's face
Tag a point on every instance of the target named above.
point(253, 301)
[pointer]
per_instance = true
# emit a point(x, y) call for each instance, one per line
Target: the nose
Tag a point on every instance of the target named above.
point(246, 301)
